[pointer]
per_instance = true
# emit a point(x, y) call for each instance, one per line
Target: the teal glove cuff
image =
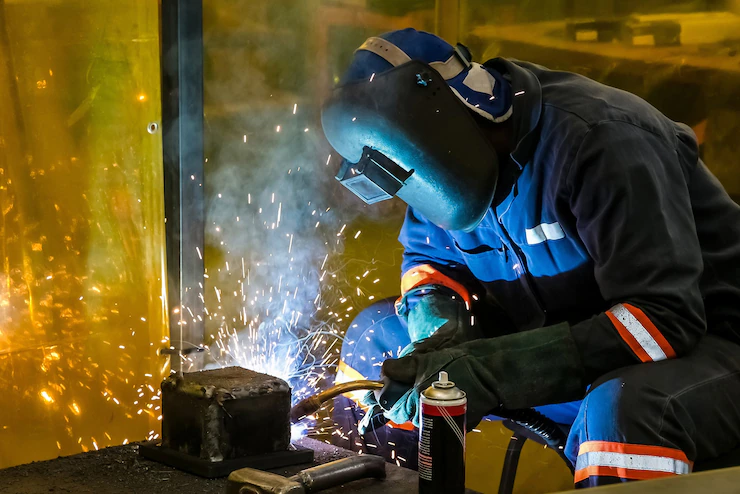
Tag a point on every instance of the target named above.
point(434, 308)
point(405, 409)
point(439, 319)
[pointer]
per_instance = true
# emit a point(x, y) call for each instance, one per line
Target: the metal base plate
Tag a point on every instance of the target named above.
point(213, 469)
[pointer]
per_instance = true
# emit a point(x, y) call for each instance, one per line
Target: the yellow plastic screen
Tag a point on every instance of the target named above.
point(81, 230)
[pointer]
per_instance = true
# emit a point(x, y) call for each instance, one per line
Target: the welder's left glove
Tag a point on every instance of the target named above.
point(436, 317)
point(521, 370)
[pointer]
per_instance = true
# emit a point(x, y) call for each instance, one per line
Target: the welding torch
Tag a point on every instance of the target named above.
point(387, 393)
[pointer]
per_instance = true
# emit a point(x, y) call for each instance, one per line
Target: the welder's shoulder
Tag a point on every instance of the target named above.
point(572, 100)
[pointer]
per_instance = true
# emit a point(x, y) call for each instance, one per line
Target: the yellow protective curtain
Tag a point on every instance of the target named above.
point(82, 228)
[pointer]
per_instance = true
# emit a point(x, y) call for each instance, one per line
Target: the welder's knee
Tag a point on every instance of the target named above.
point(624, 409)
point(621, 406)
point(624, 402)
point(379, 317)
point(374, 335)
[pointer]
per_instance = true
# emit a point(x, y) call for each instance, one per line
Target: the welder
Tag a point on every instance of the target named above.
point(563, 243)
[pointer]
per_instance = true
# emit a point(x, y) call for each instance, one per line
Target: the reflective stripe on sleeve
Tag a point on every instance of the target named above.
point(629, 461)
point(640, 333)
point(424, 274)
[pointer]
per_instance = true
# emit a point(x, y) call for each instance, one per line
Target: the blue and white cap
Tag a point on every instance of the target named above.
point(483, 90)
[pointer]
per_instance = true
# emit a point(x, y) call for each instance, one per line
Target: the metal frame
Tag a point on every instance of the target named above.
point(181, 61)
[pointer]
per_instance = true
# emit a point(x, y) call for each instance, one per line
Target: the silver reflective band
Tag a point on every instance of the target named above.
point(395, 56)
point(545, 231)
point(636, 329)
point(632, 462)
point(386, 50)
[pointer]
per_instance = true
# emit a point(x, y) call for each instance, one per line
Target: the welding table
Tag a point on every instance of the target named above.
point(121, 470)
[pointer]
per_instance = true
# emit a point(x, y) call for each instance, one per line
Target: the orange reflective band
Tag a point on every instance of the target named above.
point(640, 334)
point(632, 449)
point(628, 338)
point(629, 461)
point(424, 274)
point(654, 332)
point(622, 473)
point(408, 426)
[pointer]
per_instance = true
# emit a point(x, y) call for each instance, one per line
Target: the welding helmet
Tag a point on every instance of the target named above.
point(402, 119)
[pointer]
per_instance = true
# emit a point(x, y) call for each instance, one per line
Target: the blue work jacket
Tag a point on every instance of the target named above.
point(606, 218)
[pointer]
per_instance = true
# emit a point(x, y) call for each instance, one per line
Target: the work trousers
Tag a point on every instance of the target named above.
point(645, 421)
point(656, 419)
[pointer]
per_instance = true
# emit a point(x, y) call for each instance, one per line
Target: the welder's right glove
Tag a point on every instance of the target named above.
point(521, 370)
point(437, 318)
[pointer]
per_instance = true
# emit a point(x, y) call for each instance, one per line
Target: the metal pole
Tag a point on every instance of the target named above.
point(182, 142)
point(447, 20)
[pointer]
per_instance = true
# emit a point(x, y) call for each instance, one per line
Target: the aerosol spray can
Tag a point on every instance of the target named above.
point(442, 438)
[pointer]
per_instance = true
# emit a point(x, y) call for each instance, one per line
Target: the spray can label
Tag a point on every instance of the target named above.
point(442, 439)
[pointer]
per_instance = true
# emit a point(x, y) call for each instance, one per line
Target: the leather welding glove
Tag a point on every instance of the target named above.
point(436, 318)
point(520, 370)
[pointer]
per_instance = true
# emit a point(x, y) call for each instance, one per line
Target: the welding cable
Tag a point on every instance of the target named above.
point(310, 405)
point(540, 425)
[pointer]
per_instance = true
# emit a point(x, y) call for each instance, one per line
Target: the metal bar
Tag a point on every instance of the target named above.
point(182, 143)
point(447, 20)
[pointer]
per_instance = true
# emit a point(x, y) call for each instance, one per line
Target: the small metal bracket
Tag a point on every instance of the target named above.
point(182, 352)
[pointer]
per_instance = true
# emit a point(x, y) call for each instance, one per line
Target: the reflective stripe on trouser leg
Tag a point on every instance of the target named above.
point(620, 433)
point(687, 406)
point(629, 461)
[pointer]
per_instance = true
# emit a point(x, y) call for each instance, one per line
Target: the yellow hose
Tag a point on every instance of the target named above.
point(311, 404)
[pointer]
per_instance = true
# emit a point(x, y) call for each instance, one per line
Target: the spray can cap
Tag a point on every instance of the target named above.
point(443, 389)
point(443, 382)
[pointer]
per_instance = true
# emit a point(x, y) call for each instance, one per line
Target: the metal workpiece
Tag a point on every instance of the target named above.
point(225, 413)
point(335, 473)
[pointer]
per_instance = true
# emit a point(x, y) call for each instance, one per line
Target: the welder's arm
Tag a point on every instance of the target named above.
point(628, 193)
point(438, 292)
point(435, 284)
point(521, 370)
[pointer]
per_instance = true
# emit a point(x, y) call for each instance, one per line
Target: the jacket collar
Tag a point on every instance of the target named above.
point(527, 107)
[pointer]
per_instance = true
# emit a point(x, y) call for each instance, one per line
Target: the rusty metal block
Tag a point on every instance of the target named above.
point(225, 414)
